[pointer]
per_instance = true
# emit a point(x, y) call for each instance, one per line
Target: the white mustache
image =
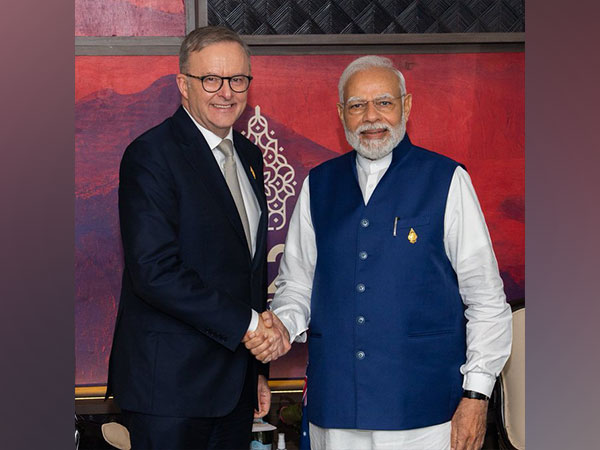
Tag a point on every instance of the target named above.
point(372, 126)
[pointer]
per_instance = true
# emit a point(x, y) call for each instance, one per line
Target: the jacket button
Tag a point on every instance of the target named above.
point(360, 354)
point(360, 287)
point(364, 223)
point(363, 255)
point(360, 320)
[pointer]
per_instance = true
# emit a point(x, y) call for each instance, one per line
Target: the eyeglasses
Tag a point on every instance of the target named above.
point(212, 83)
point(384, 104)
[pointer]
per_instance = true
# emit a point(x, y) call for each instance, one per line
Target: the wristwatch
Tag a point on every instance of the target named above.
point(475, 395)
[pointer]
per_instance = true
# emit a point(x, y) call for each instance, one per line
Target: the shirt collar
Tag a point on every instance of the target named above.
point(211, 138)
point(372, 166)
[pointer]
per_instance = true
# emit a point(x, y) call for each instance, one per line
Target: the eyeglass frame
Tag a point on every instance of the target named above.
point(366, 102)
point(202, 78)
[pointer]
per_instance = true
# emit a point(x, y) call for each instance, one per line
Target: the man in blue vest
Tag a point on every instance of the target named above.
point(389, 259)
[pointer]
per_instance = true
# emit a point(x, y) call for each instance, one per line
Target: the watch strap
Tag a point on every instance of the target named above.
point(475, 395)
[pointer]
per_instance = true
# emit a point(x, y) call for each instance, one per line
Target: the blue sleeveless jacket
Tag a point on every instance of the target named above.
point(387, 330)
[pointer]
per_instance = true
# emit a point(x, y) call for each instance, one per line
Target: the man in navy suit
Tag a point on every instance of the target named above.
point(193, 219)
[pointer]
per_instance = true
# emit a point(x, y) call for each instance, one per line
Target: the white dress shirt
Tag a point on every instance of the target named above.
point(250, 201)
point(468, 247)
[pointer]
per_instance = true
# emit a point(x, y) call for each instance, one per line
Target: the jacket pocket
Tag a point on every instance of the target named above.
point(432, 333)
point(409, 222)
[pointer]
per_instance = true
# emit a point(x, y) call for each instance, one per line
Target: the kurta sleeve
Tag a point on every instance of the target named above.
point(469, 248)
point(296, 271)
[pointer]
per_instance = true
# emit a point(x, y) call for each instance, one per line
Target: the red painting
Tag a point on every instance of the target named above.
point(469, 107)
point(129, 18)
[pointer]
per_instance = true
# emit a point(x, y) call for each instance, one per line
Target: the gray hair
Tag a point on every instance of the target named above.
point(203, 37)
point(365, 63)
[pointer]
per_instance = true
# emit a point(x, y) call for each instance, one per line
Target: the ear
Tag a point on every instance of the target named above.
point(407, 106)
point(340, 109)
point(182, 84)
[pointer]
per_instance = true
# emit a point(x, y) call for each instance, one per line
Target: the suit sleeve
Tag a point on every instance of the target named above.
point(262, 369)
point(148, 215)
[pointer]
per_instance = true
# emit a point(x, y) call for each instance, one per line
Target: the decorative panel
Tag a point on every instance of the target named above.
point(129, 18)
point(467, 106)
point(284, 17)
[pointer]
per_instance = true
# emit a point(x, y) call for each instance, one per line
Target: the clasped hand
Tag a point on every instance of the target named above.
point(270, 340)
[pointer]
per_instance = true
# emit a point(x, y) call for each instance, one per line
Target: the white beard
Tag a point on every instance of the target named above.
point(376, 148)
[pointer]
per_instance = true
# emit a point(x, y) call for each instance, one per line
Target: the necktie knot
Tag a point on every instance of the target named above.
point(226, 147)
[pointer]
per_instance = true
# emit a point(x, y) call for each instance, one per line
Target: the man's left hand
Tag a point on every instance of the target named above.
point(468, 424)
point(264, 398)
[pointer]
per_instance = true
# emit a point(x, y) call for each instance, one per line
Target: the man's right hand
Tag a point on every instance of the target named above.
point(270, 340)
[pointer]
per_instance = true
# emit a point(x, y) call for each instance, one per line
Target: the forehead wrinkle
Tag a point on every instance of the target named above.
point(221, 59)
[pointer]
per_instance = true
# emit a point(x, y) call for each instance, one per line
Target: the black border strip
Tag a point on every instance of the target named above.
point(314, 44)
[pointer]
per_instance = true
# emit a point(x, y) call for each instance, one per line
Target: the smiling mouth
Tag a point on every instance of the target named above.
point(224, 107)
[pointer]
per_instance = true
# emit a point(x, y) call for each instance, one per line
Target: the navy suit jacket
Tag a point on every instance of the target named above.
point(189, 281)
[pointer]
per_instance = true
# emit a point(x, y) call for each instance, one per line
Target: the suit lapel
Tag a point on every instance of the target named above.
point(257, 187)
point(199, 155)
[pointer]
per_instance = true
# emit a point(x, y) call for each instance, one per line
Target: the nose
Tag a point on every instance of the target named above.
point(371, 113)
point(225, 91)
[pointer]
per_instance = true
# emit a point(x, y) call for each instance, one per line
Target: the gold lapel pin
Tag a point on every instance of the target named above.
point(412, 236)
point(252, 171)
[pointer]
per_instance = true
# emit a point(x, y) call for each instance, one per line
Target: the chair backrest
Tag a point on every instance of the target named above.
point(511, 388)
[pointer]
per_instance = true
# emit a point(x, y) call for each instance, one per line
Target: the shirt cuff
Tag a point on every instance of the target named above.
point(253, 321)
point(292, 327)
point(479, 382)
point(302, 337)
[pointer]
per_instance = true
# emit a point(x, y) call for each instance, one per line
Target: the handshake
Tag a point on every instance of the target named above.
point(270, 340)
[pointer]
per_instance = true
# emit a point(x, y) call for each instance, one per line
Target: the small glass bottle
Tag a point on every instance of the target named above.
point(281, 441)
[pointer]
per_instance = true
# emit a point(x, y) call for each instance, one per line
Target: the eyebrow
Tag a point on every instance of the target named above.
point(210, 74)
point(379, 97)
